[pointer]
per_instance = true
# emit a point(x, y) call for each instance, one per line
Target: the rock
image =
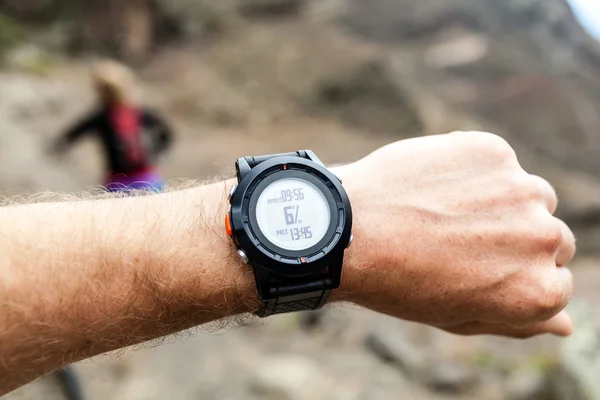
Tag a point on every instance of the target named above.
point(576, 377)
point(270, 7)
point(451, 378)
point(193, 19)
point(30, 58)
point(311, 320)
point(527, 385)
point(398, 351)
point(47, 388)
point(290, 378)
point(367, 97)
point(70, 382)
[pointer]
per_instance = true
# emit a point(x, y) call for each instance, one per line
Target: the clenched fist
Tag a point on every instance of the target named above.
point(451, 231)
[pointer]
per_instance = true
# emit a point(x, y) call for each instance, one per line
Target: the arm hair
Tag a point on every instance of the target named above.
point(88, 273)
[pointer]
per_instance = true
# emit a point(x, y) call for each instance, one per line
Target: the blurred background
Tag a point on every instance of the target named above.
point(341, 77)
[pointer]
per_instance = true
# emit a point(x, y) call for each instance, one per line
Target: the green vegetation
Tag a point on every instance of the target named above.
point(540, 363)
point(486, 360)
point(543, 363)
point(10, 33)
point(40, 63)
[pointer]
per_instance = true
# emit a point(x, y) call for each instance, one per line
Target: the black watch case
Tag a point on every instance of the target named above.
point(270, 261)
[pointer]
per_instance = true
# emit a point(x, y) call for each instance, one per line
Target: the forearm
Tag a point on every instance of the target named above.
point(102, 275)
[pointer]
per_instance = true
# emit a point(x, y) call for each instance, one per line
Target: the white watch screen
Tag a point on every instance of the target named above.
point(293, 214)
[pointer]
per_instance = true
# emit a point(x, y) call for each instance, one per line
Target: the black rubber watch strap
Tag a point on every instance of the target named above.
point(245, 164)
point(254, 161)
point(281, 306)
point(297, 297)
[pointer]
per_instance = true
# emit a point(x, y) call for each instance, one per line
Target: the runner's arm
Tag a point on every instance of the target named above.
point(162, 130)
point(86, 125)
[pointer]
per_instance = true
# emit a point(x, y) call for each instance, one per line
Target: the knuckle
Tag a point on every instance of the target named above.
point(519, 188)
point(544, 300)
point(545, 187)
point(549, 235)
point(492, 145)
point(524, 187)
point(534, 190)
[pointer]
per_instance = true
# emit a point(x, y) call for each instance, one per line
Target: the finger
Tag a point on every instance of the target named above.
point(566, 249)
point(549, 296)
point(560, 325)
point(548, 192)
point(565, 278)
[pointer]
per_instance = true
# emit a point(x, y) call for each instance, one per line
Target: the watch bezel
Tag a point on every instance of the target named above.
point(260, 251)
point(331, 204)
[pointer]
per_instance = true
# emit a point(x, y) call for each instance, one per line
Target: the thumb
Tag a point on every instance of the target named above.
point(561, 325)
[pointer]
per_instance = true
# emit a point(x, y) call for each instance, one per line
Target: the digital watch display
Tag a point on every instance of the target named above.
point(293, 214)
point(291, 220)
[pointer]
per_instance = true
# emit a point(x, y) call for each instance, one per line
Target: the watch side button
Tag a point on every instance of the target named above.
point(228, 228)
point(350, 240)
point(243, 256)
point(231, 192)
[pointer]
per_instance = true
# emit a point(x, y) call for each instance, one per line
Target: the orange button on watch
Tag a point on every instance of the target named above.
point(228, 228)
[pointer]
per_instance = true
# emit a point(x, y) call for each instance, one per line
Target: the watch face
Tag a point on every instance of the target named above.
point(293, 214)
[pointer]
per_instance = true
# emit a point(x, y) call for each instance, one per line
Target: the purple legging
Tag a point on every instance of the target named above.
point(146, 180)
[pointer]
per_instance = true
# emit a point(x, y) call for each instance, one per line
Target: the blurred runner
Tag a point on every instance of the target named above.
point(132, 136)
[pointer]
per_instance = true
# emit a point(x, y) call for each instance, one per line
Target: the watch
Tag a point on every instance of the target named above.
point(290, 220)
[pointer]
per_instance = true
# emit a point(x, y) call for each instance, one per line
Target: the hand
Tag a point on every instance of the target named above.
point(450, 231)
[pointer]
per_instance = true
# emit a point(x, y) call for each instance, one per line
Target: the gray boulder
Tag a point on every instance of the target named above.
point(577, 376)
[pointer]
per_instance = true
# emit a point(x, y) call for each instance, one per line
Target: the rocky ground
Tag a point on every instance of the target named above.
point(342, 78)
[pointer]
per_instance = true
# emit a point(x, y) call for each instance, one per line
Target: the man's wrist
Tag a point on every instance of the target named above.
point(354, 268)
point(234, 290)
